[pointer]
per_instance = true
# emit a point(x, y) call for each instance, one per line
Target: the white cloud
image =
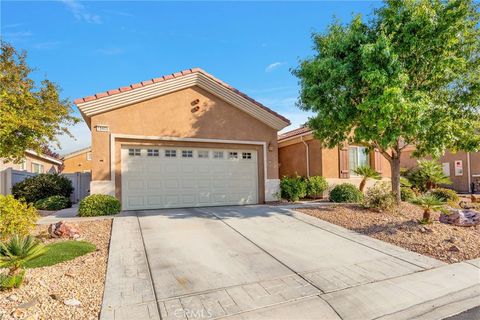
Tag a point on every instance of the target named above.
point(81, 13)
point(297, 118)
point(17, 35)
point(46, 45)
point(274, 66)
point(82, 139)
point(110, 51)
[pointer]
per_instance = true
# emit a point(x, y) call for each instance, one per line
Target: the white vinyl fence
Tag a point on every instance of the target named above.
point(80, 181)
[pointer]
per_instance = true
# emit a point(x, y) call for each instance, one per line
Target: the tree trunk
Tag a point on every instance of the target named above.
point(426, 215)
point(362, 184)
point(395, 164)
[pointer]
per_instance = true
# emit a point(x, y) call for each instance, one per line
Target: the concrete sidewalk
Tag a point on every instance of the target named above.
point(68, 215)
point(260, 262)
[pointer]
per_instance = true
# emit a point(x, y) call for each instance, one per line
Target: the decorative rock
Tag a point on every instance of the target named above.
point(54, 296)
point(63, 230)
point(72, 302)
point(454, 249)
point(13, 298)
point(461, 218)
point(28, 305)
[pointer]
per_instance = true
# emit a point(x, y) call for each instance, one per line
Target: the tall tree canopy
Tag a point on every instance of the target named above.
point(410, 76)
point(31, 117)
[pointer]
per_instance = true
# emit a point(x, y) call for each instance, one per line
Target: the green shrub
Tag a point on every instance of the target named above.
point(407, 194)
point(346, 192)
point(53, 203)
point(316, 186)
point(98, 205)
point(11, 281)
point(293, 189)
point(427, 175)
point(380, 197)
point(445, 194)
point(16, 217)
point(42, 186)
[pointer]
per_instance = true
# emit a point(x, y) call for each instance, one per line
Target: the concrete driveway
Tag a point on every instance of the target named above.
point(262, 262)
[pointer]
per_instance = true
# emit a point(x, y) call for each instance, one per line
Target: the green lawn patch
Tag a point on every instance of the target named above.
point(61, 251)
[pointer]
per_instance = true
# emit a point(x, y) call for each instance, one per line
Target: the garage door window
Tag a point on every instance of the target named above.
point(170, 153)
point(187, 154)
point(246, 155)
point(233, 155)
point(153, 153)
point(134, 152)
point(202, 154)
point(217, 154)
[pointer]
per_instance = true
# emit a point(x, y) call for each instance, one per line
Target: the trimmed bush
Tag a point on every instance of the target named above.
point(445, 194)
point(293, 189)
point(316, 186)
point(98, 205)
point(407, 194)
point(53, 203)
point(16, 217)
point(380, 197)
point(42, 186)
point(346, 192)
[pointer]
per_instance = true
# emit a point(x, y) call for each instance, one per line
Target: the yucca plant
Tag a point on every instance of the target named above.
point(17, 251)
point(428, 203)
point(366, 172)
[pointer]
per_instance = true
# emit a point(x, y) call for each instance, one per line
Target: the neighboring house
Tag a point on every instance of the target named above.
point(78, 161)
point(182, 140)
point(35, 163)
point(463, 168)
point(301, 154)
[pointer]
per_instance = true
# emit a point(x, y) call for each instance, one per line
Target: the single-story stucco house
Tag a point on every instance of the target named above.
point(463, 168)
point(300, 154)
point(78, 161)
point(182, 140)
point(34, 162)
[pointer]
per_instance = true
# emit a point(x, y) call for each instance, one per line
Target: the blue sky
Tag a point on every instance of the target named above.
point(89, 47)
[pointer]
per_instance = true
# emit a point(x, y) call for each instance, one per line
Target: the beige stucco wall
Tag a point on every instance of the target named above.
point(174, 115)
point(49, 167)
point(77, 163)
point(322, 161)
point(460, 183)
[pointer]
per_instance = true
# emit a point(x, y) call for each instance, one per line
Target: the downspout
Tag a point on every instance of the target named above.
point(307, 153)
point(469, 174)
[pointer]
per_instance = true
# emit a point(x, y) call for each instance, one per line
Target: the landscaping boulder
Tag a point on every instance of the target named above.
point(461, 217)
point(63, 230)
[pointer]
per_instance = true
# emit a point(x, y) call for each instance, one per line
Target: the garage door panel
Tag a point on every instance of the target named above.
point(150, 182)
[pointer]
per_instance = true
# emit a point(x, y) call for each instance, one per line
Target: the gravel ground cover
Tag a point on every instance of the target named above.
point(441, 241)
point(68, 290)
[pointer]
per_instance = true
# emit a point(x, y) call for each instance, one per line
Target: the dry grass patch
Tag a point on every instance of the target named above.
point(45, 289)
point(444, 242)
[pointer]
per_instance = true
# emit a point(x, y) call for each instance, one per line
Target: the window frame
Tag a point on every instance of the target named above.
point(170, 153)
point(132, 152)
point(187, 154)
point(216, 155)
point(40, 167)
point(358, 152)
point(247, 155)
point(232, 155)
point(89, 156)
point(153, 153)
point(203, 152)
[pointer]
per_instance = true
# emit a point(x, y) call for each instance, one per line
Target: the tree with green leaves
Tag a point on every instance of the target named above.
point(409, 76)
point(31, 116)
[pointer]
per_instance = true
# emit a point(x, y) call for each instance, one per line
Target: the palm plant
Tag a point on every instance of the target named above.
point(366, 172)
point(428, 203)
point(428, 175)
point(17, 251)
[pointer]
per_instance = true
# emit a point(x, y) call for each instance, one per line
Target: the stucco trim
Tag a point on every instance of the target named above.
point(122, 99)
point(114, 136)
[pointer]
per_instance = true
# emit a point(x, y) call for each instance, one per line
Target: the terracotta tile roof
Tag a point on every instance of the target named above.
point(293, 133)
point(172, 76)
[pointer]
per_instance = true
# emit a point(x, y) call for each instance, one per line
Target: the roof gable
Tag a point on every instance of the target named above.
point(117, 98)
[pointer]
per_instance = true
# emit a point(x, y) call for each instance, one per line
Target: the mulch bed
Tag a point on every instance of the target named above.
point(441, 241)
point(45, 290)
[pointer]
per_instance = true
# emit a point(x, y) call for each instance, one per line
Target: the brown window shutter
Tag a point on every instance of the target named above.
point(378, 161)
point(343, 161)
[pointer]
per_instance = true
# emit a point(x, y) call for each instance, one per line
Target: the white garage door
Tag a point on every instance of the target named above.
point(187, 177)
